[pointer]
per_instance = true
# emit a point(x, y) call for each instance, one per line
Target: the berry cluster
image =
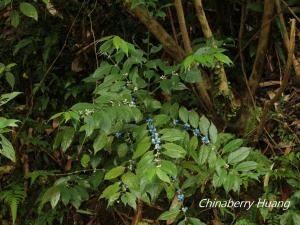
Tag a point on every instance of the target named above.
point(155, 139)
point(180, 198)
point(154, 135)
point(195, 131)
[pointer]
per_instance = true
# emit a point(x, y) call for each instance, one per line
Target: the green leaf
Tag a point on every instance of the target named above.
point(9, 66)
point(223, 58)
point(103, 70)
point(82, 106)
point(170, 190)
point(85, 159)
point(8, 123)
point(183, 114)
point(142, 147)
point(52, 195)
point(232, 182)
point(204, 125)
point(212, 158)
point(150, 172)
point(233, 145)
point(171, 135)
point(37, 173)
point(193, 144)
point(2, 68)
point(110, 190)
point(169, 167)
point(67, 137)
point(54, 199)
point(130, 199)
point(117, 41)
point(213, 133)
point(46, 2)
point(124, 47)
point(122, 150)
point(195, 221)
point(246, 166)
point(4, 98)
point(182, 222)
point(238, 155)
point(218, 180)
point(7, 149)
point(203, 154)
point(162, 175)
point(13, 197)
point(135, 3)
point(152, 104)
point(187, 62)
point(114, 173)
point(161, 119)
point(174, 110)
point(29, 10)
point(100, 142)
point(192, 76)
point(22, 44)
point(57, 140)
point(131, 180)
point(174, 150)
point(105, 120)
point(194, 119)
point(56, 115)
point(15, 18)
point(170, 215)
point(296, 218)
point(10, 78)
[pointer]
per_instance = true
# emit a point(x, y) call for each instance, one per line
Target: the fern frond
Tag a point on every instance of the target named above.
point(13, 197)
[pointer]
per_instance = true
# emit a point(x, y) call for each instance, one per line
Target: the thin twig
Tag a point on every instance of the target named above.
point(285, 37)
point(188, 49)
point(255, 35)
point(262, 46)
point(50, 69)
point(76, 172)
point(173, 28)
point(292, 12)
point(285, 79)
point(241, 33)
point(93, 33)
point(138, 213)
point(121, 217)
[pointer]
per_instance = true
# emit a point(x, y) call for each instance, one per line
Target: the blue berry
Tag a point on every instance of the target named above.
point(186, 126)
point(149, 121)
point(196, 132)
point(205, 140)
point(180, 197)
point(151, 128)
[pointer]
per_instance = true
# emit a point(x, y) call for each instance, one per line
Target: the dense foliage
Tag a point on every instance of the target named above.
point(134, 112)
